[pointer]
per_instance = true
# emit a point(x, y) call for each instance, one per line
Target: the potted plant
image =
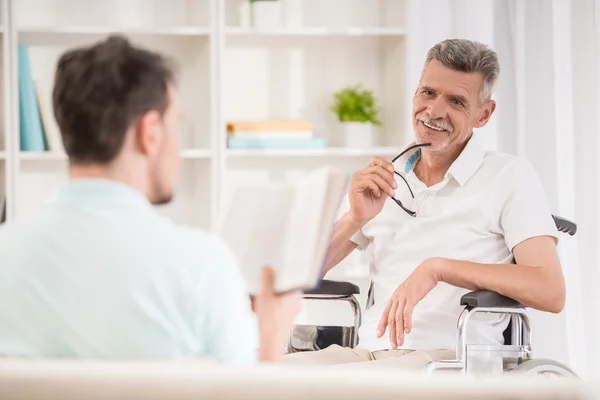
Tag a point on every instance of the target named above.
point(266, 14)
point(356, 108)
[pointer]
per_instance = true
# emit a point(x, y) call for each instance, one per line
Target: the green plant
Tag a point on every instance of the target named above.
point(356, 104)
point(255, 1)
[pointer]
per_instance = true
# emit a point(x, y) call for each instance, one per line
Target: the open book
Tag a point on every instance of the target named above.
point(286, 226)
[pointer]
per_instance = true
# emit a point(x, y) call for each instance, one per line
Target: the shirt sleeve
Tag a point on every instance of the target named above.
point(359, 237)
point(524, 209)
point(227, 322)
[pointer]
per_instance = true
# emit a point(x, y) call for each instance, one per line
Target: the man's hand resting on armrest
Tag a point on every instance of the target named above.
point(536, 281)
point(276, 314)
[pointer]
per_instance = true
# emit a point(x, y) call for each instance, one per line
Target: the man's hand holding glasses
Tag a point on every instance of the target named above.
point(372, 186)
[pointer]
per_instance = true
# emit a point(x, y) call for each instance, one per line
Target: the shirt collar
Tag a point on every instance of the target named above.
point(102, 191)
point(462, 169)
point(468, 162)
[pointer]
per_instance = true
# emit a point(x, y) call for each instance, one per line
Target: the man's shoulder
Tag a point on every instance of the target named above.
point(13, 231)
point(201, 244)
point(195, 237)
point(501, 160)
point(205, 258)
point(505, 165)
point(4, 232)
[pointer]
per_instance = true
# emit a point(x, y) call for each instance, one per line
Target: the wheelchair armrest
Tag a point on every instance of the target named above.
point(564, 225)
point(485, 298)
point(334, 288)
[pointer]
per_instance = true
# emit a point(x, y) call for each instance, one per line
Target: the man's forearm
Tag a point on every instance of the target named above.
point(341, 245)
point(532, 286)
point(269, 351)
point(272, 342)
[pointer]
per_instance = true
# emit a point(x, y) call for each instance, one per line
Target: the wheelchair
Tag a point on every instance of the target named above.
point(514, 356)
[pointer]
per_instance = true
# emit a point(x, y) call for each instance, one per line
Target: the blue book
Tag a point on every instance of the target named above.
point(31, 129)
point(250, 143)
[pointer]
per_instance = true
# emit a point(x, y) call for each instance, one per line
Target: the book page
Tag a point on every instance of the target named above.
point(306, 209)
point(336, 190)
point(267, 239)
point(237, 217)
point(285, 226)
point(253, 224)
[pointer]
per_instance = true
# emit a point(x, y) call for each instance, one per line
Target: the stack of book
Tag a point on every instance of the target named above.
point(38, 128)
point(272, 134)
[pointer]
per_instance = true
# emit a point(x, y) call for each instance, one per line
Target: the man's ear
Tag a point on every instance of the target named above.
point(147, 130)
point(486, 113)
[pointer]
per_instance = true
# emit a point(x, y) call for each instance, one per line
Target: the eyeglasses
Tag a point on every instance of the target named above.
point(408, 211)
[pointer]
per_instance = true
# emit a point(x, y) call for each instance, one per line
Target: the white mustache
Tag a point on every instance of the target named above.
point(438, 123)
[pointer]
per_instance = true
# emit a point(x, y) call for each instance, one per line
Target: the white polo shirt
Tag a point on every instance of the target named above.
point(486, 204)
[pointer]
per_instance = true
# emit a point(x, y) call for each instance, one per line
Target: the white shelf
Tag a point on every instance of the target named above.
point(189, 154)
point(42, 156)
point(310, 32)
point(196, 154)
point(101, 30)
point(82, 33)
point(325, 152)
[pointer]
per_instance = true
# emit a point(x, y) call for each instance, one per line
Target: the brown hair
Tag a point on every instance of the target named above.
point(100, 90)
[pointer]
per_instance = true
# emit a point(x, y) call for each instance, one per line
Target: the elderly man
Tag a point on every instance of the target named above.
point(446, 218)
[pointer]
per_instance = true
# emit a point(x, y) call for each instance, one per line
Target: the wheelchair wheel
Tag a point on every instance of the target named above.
point(544, 367)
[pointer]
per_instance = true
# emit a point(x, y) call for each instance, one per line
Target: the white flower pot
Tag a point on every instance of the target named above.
point(358, 134)
point(266, 15)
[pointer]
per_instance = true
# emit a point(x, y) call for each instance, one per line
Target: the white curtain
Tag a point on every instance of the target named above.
point(549, 112)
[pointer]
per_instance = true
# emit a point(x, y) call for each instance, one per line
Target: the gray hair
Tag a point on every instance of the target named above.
point(468, 56)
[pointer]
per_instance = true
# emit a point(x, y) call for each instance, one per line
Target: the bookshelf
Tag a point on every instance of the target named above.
point(181, 29)
point(322, 33)
point(229, 70)
point(33, 156)
point(95, 32)
point(390, 151)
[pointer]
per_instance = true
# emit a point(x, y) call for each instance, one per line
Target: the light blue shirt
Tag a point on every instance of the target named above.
point(96, 272)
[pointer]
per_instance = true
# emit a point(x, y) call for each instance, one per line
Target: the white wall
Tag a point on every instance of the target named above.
point(586, 114)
